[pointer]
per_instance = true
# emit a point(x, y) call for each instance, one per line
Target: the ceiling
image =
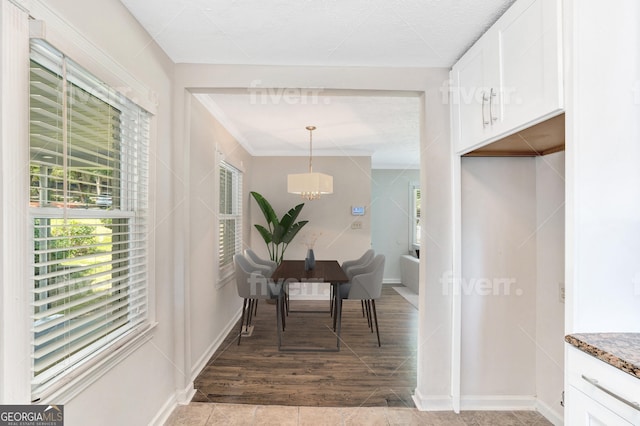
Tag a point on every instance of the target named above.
point(358, 33)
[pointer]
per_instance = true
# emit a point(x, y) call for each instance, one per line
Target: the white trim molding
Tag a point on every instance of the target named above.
point(498, 402)
point(15, 359)
point(431, 402)
point(73, 43)
point(549, 413)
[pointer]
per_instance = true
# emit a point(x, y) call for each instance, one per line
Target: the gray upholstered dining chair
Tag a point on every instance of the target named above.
point(366, 257)
point(366, 285)
point(268, 263)
point(348, 265)
point(260, 261)
point(252, 285)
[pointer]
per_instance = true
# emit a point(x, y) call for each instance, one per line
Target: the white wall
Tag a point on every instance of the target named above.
point(329, 217)
point(435, 357)
point(214, 305)
point(550, 203)
point(512, 265)
point(603, 177)
point(391, 216)
point(498, 279)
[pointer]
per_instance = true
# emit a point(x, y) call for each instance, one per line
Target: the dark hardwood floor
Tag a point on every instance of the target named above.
point(361, 374)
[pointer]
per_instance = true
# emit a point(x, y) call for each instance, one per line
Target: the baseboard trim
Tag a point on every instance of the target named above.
point(184, 396)
point(498, 402)
point(199, 365)
point(554, 416)
point(432, 403)
point(179, 397)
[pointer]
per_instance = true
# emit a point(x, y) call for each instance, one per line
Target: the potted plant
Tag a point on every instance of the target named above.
point(279, 232)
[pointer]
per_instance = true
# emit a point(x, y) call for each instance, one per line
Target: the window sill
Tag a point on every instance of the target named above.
point(69, 386)
point(225, 279)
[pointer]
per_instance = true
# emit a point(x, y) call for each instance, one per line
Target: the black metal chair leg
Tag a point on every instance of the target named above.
point(335, 310)
point(362, 303)
point(375, 316)
point(250, 312)
point(244, 306)
point(367, 305)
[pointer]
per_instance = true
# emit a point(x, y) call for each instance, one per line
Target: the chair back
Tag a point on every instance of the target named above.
point(367, 284)
point(366, 257)
point(260, 261)
point(251, 281)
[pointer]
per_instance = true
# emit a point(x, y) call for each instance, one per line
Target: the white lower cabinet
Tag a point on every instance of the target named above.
point(583, 410)
point(599, 394)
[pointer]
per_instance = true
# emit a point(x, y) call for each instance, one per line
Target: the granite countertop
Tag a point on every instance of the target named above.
point(621, 350)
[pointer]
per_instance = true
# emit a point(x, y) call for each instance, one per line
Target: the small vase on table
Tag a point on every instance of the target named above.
point(310, 260)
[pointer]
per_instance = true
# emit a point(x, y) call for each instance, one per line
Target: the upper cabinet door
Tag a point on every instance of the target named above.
point(475, 94)
point(511, 78)
point(530, 39)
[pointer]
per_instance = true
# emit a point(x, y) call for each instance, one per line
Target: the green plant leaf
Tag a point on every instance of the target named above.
point(293, 230)
point(266, 234)
point(267, 210)
point(280, 232)
point(291, 216)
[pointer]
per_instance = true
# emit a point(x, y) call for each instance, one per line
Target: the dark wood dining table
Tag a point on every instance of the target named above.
point(324, 271)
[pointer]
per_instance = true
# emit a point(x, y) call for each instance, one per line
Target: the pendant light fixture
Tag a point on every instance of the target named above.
point(310, 185)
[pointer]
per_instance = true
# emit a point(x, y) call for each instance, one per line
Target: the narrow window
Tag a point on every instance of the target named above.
point(230, 217)
point(414, 194)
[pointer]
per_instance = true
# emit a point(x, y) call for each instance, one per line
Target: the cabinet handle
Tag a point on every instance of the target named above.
point(595, 383)
point(485, 123)
point(491, 96)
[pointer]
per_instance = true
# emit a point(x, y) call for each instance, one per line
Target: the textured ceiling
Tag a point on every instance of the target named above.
point(384, 127)
point(381, 33)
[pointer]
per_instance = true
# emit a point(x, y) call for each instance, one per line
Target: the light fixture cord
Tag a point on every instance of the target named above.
point(310, 150)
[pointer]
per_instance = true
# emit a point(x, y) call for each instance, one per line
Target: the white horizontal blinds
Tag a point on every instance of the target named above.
point(416, 215)
point(45, 127)
point(88, 197)
point(230, 217)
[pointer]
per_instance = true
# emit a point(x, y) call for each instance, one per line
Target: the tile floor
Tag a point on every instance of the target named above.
point(206, 414)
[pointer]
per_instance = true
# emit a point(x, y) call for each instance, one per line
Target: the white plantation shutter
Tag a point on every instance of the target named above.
point(415, 207)
point(88, 203)
point(229, 218)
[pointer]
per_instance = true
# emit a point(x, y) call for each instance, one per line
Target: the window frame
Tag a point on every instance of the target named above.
point(226, 269)
point(414, 219)
point(118, 344)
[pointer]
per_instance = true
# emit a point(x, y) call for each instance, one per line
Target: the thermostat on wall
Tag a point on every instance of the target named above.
point(357, 210)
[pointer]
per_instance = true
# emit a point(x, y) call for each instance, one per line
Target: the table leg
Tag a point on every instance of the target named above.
point(338, 313)
point(279, 320)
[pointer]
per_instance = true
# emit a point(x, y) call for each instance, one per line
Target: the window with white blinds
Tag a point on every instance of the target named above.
point(229, 218)
point(414, 195)
point(88, 176)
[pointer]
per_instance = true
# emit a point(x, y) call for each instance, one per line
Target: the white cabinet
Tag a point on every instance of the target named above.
point(582, 410)
point(598, 393)
point(511, 78)
point(476, 84)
